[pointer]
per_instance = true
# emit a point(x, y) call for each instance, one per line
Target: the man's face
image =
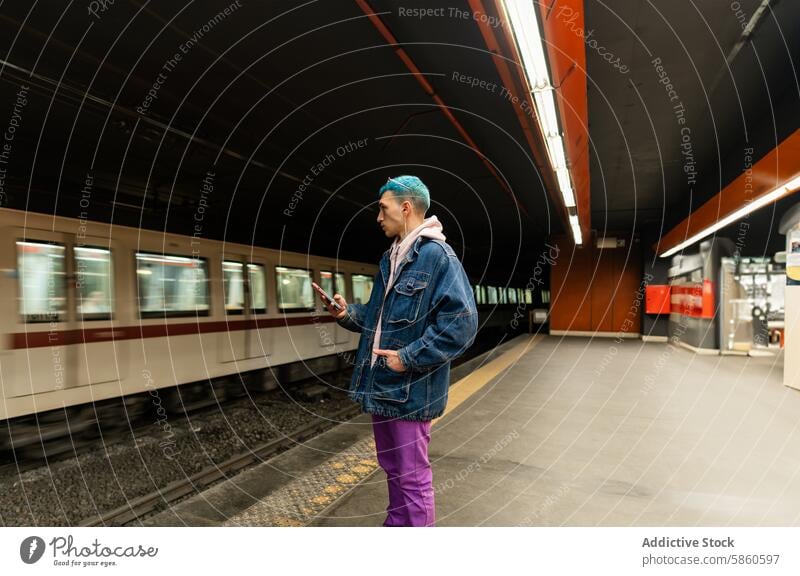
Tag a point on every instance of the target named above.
point(390, 213)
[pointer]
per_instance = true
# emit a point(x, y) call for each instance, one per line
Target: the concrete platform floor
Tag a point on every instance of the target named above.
point(572, 431)
point(592, 432)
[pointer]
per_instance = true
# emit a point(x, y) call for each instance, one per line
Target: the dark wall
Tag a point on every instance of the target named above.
point(653, 324)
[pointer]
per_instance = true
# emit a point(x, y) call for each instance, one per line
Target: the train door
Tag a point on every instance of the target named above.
point(63, 336)
point(233, 340)
point(91, 288)
point(258, 341)
point(244, 293)
point(38, 344)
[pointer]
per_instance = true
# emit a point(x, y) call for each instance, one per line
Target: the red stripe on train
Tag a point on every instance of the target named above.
point(23, 340)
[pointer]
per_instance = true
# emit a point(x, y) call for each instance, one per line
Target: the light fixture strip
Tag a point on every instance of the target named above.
point(525, 26)
point(759, 202)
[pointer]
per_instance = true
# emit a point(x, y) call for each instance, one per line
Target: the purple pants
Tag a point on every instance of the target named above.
point(402, 447)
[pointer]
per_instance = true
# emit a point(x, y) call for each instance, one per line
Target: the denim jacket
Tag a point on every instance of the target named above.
point(429, 317)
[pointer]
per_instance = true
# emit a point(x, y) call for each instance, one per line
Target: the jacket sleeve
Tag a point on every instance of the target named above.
point(454, 324)
point(353, 319)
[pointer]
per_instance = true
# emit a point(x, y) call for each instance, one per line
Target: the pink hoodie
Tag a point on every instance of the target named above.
point(430, 228)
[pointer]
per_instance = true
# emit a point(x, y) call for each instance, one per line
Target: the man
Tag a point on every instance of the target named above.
point(420, 316)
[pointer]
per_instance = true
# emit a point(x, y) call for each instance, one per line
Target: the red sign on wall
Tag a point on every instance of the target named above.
point(695, 300)
point(656, 299)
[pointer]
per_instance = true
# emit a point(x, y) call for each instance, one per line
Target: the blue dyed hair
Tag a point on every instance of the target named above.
point(409, 187)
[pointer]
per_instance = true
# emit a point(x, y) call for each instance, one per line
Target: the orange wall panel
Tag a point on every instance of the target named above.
point(570, 307)
point(628, 300)
point(601, 289)
point(596, 290)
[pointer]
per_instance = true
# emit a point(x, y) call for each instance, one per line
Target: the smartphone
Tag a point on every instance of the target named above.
point(325, 296)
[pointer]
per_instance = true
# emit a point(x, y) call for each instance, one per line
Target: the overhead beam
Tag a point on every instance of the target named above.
point(779, 166)
point(383, 29)
point(510, 68)
point(563, 26)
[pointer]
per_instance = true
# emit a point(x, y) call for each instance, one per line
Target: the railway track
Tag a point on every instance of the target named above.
point(139, 507)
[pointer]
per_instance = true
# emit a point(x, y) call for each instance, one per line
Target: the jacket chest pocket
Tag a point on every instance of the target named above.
point(408, 292)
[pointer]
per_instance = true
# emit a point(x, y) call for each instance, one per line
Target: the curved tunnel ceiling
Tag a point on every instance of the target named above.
point(272, 97)
point(698, 102)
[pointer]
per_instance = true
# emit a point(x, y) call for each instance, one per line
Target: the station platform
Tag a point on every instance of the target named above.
point(552, 431)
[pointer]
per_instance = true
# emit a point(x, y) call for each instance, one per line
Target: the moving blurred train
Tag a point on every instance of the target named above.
point(97, 317)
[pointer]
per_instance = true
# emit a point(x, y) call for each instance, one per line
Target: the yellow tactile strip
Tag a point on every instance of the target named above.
point(301, 499)
point(297, 503)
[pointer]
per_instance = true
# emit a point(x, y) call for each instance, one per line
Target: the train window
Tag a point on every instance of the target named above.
point(341, 285)
point(233, 287)
point(545, 296)
point(326, 282)
point(512, 295)
point(294, 289)
point(528, 296)
point(362, 288)
point(501, 293)
point(483, 295)
point(257, 276)
point(492, 295)
point(171, 285)
point(95, 288)
point(42, 297)
point(333, 283)
point(477, 290)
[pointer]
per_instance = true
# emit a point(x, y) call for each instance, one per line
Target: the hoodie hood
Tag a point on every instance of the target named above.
point(430, 228)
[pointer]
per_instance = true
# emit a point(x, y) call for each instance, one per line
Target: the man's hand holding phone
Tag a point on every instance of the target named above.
point(336, 306)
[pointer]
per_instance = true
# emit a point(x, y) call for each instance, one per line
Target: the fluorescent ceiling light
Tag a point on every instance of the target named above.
point(525, 26)
point(546, 110)
point(576, 233)
point(556, 147)
point(759, 202)
point(566, 188)
point(563, 178)
point(569, 197)
point(576, 229)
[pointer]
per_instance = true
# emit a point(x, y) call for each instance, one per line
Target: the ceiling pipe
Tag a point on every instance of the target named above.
point(135, 81)
point(50, 41)
point(420, 77)
point(70, 94)
point(144, 7)
point(404, 123)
